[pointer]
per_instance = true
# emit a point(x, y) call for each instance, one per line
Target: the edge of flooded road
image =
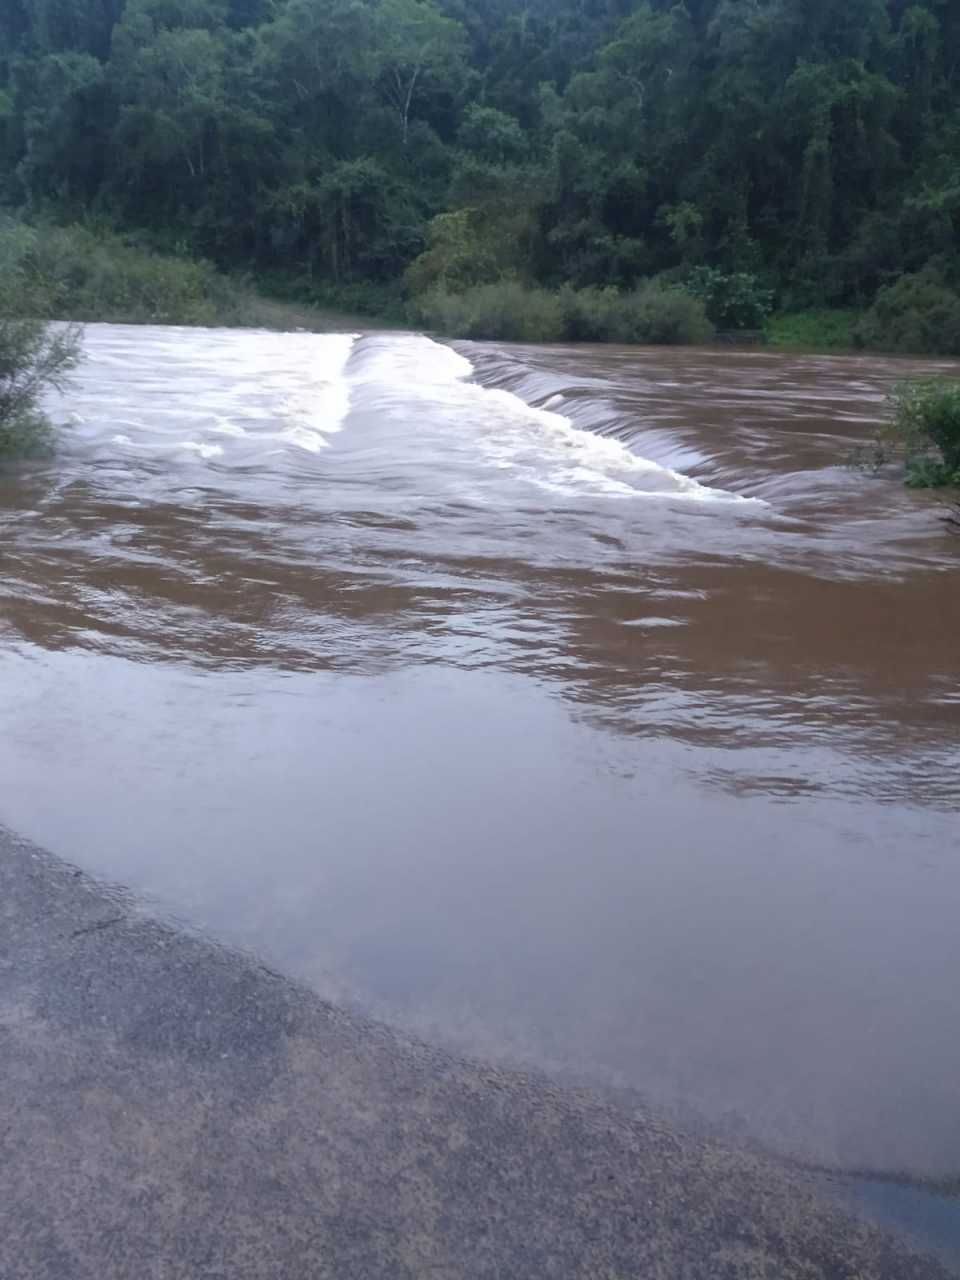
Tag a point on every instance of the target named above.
point(173, 1109)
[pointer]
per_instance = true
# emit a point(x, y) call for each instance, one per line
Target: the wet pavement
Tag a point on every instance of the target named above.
point(172, 1109)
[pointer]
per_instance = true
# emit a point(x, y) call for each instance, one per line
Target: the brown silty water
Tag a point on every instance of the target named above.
point(574, 706)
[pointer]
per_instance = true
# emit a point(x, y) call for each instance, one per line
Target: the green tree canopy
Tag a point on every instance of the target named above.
point(814, 146)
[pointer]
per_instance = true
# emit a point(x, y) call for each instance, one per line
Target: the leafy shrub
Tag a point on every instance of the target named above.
point(455, 256)
point(91, 273)
point(515, 313)
point(652, 313)
point(928, 473)
point(99, 276)
point(919, 314)
point(661, 316)
point(737, 300)
point(926, 428)
point(592, 314)
point(489, 239)
point(506, 310)
point(33, 355)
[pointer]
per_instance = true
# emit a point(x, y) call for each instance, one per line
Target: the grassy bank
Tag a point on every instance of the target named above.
point(820, 330)
point(89, 274)
point(653, 314)
point(384, 305)
point(912, 317)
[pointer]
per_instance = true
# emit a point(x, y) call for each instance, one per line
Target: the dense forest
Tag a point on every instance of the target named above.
point(802, 153)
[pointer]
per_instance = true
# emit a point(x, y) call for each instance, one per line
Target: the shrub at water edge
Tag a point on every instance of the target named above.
point(733, 300)
point(505, 310)
point(96, 275)
point(91, 273)
point(33, 355)
point(653, 313)
point(925, 428)
point(513, 312)
point(920, 314)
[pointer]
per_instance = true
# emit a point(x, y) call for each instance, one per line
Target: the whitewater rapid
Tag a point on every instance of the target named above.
point(295, 391)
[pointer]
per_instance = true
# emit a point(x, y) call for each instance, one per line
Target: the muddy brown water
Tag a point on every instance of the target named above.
point(570, 706)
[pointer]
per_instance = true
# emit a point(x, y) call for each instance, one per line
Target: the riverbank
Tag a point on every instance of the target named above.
point(93, 275)
point(259, 311)
point(174, 1109)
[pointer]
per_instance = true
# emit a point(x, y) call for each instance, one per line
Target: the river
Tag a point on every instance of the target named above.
point(571, 706)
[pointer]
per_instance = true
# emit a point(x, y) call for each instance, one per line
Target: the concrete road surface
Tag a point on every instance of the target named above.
point(173, 1111)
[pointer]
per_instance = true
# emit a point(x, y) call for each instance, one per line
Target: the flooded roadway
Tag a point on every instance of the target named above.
point(571, 706)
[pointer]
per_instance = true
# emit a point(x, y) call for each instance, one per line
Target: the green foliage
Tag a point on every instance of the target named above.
point(684, 223)
point(100, 276)
point(456, 256)
point(926, 427)
point(815, 330)
point(382, 302)
point(513, 312)
point(736, 300)
point(492, 136)
point(742, 146)
point(91, 273)
point(928, 473)
point(414, 44)
point(505, 310)
point(33, 355)
point(651, 313)
point(918, 314)
point(592, 314)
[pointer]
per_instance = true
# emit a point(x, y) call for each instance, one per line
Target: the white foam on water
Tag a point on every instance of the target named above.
point(226, 428)
point(200, 447)
point(317, 408)
point(542, 447)
point(276, 393)
point(211, 393)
